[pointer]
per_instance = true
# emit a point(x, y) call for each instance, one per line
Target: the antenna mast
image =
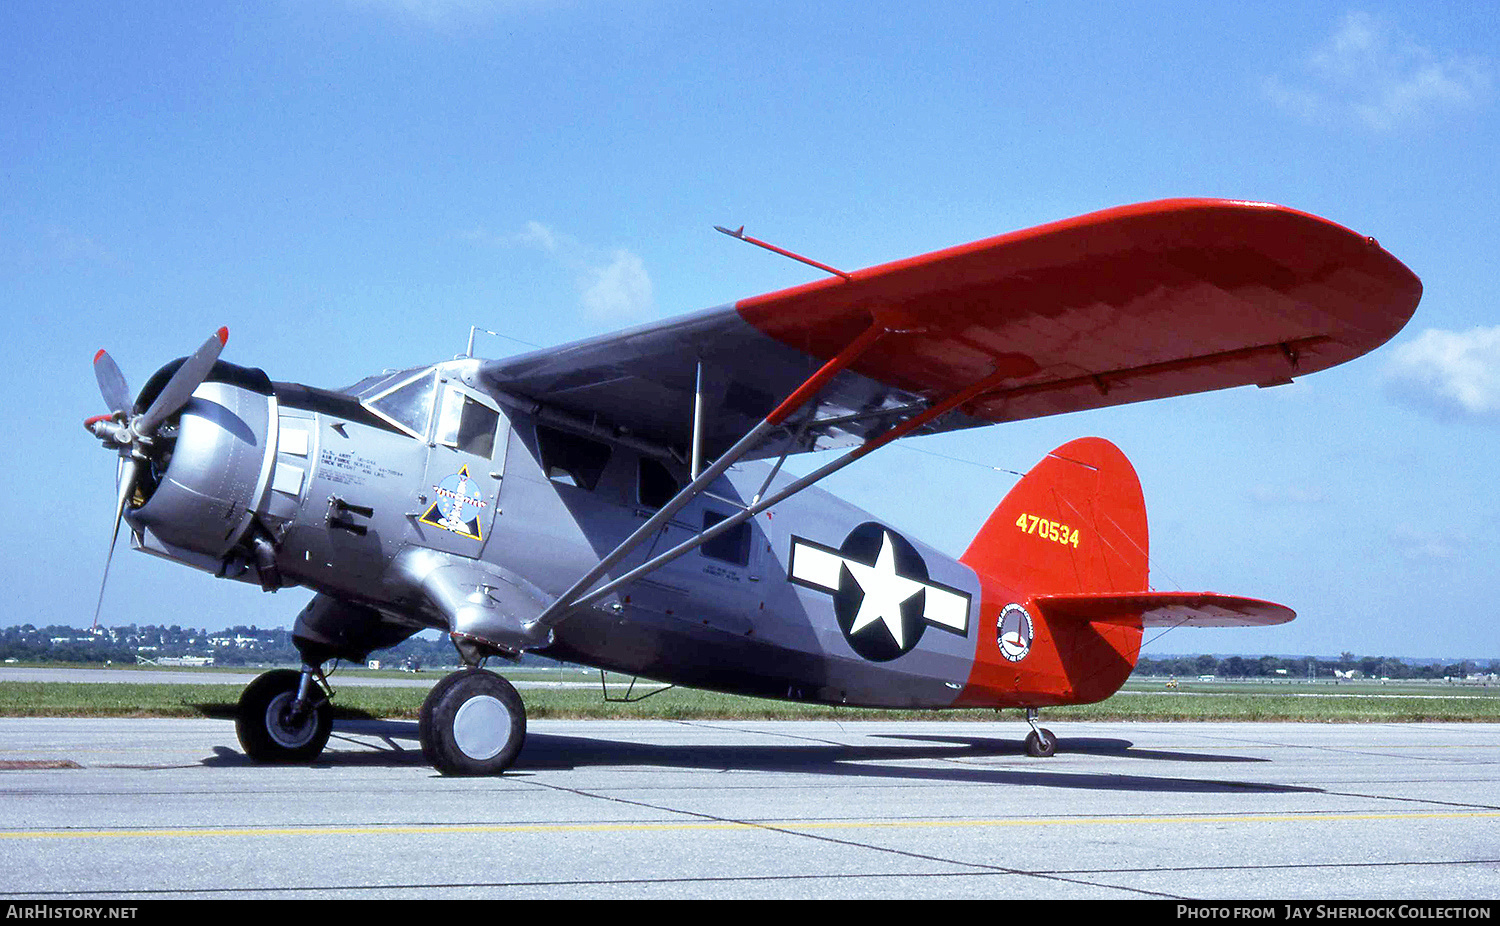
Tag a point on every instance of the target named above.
point(740, 234)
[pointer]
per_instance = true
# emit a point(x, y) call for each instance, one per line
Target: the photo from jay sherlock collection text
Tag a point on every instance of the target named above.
point(1292, 912)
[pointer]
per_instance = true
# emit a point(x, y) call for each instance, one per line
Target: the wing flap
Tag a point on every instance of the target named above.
point(1164, 609)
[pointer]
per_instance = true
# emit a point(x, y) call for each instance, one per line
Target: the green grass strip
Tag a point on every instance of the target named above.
point(1323, 705)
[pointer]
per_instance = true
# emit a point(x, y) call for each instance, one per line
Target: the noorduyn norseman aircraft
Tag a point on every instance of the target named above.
point(619, 502)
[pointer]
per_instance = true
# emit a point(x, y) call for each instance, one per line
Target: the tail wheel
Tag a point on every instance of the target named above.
point(472, 723)
point(268, 728)
point(1041, 743)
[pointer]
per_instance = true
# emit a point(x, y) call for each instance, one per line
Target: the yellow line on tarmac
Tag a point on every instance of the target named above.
point(795, 825)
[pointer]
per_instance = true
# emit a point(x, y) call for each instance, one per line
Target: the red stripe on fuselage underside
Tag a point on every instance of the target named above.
point(1128, 304)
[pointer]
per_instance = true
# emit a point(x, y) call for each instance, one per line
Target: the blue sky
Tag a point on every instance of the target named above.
point(350, 184)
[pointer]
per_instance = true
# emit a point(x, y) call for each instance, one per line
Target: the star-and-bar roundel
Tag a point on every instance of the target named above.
point(458, 506)
point(882, 597)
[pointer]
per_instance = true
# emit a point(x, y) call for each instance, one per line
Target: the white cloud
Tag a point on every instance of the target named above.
point(540, 235)
point(613, 284)
point(72, 247)
point(1371, 73)
point(1431, 546)
point(1450, 373)
point(619, 290)
point(447, 14)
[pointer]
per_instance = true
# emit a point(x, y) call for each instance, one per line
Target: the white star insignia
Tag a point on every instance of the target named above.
point(884, 592)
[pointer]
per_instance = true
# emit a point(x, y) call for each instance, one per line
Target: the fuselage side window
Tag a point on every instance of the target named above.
point(656, 485)
point(732, 546)
point(571, 460)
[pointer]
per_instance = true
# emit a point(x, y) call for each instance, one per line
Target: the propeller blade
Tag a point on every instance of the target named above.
point(180, 387)
point(128, 471)
point(111, 382)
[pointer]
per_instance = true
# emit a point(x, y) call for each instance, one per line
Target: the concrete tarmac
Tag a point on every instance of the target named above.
point(147, 809)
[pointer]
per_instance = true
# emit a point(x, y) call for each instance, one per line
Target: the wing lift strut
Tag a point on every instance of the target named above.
point(584, 592)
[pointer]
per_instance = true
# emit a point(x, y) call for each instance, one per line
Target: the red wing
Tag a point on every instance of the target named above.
point(1164, 609)
point(1134, 303)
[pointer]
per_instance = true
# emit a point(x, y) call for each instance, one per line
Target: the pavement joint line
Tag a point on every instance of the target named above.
point(802, 830)
point(709, 823)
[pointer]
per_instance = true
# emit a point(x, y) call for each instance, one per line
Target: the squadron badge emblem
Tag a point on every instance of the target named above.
point(459, 503)
point(1015, 632)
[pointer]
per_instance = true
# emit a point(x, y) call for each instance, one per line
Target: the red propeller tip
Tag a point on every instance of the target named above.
point(223, 336)
point(98, 355)
point(88, 423)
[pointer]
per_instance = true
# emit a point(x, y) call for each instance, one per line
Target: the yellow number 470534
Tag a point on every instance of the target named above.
point(1050, 530)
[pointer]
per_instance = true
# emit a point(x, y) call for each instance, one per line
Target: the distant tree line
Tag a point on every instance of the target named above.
point(1347, 665)
point(235, 646)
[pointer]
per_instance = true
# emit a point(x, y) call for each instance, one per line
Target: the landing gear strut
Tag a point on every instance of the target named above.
point(1040, 743)
point(284, 716)
point(472, 723)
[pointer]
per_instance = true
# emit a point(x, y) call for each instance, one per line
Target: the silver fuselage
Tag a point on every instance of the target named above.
point(423, 500)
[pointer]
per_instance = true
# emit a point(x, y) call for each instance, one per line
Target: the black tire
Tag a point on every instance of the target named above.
point(1041, 747)
point(264, 731)
point(472, 723)
point(424, 716)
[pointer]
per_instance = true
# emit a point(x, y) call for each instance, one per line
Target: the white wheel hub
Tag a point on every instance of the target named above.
point(289, 737)
point(481, 727)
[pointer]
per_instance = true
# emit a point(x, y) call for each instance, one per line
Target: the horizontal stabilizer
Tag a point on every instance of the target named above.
point(1164, 609)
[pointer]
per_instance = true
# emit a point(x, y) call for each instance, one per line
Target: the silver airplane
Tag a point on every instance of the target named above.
point(619, 502)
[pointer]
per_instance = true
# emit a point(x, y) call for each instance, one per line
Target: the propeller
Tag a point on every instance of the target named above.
point(133, 434)
point(111, 382)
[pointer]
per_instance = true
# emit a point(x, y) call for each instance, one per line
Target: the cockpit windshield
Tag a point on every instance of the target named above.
point(405, 399)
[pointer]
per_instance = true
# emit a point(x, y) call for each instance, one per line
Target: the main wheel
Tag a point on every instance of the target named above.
point(472, 723)
point(1041, 746)
point(267, 729)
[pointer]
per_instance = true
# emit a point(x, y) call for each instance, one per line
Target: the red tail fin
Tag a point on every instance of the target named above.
point(1076, 523)
point(1087, 488)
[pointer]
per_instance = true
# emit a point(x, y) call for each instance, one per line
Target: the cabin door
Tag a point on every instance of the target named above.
point(465, 463)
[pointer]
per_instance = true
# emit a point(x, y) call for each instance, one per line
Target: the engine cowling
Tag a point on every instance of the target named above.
point(206, 469)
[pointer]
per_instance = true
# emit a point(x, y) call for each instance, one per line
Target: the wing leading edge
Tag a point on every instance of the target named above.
point(1126, 305)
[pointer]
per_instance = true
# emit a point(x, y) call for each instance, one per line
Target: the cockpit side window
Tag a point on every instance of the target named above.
point(571, 460)
point(466, 424)
point(476, 428)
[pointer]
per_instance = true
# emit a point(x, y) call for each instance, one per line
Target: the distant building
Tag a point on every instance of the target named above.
point(185, 661)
